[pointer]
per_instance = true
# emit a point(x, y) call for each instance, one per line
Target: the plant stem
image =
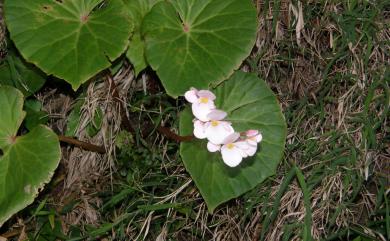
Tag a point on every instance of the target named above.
point(83, 145)
point(171, 135)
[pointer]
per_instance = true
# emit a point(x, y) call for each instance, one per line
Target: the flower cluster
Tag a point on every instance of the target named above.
point(210, 124)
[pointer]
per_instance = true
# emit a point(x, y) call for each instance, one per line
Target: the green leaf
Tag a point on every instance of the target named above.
point(250, 104)
point(12, 114)
point(34, 119)
point(138, 9)
point(35, 116)
point(96, 124)
point(192, 43)
point(28, 161)
point(74, 117)
point(17, 73)
point(72, 39)
point(136, 52)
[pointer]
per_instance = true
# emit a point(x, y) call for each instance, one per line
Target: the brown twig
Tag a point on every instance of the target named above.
point(10, 234)
point(171, 135)
point(83, 145)
point(15, 232)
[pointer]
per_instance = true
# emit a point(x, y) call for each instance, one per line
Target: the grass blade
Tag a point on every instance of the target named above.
point(272, 215)
point(306, 198)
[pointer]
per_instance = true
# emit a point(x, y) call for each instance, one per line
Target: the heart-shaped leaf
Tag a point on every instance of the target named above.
point(28, 162)
point(250, 104)
point(136, 51)
point(72, 39)
point(192, 43)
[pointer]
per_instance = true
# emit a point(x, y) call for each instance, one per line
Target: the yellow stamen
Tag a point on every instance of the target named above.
point(204, 100)
point(230, 146)
point(214, 123)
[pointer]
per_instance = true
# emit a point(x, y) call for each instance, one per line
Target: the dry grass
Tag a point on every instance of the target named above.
point(85, 173)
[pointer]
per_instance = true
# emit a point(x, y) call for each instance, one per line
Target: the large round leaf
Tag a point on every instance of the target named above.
point(72, 39)
point(250, 104)
point(193, 43)
point(28, 162)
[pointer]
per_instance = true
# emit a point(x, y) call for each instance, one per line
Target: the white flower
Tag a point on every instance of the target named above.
point(213, 147)
point(235, 149)
point(215, 130)
point(202, 103)
point(199, 129)
point(221, 137)
point(232, 152)
point(253, 137)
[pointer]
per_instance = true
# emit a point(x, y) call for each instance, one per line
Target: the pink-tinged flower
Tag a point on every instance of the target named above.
point(235, 149)
point(246, 148)
point(253, 137)
point(199, 129)
point(202, 103)
point(213, 147)
point(216, 130)
point(232, 152)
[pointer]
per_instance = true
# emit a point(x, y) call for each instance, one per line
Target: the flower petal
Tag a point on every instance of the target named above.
point(244, 147)
point(231, 138)
point(207, 94)
point(212, 147)
point(250, 133)
point(199, 130)
point(201, 111)
point(242, 153)
point(251, 141)
point(259, 138)
point(251, 151)
point(231, 157)
point(247, 148)
point(217, 131)
point(191, 95)
point(217, 115)
point(211, 105)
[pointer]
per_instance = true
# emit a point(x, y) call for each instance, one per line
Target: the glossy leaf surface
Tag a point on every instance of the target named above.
point(28, 162)
point(72, 39)
point(194, 43)
point(250, 104)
